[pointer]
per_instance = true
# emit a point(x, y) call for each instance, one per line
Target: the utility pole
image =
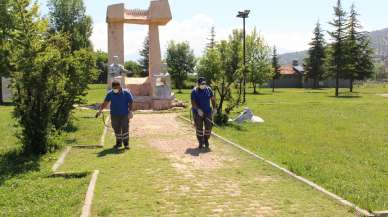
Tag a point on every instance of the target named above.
point(244, 15)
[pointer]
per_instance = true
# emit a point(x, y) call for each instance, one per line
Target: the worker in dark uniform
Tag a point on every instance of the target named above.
point(121, 112)
point(201, 96)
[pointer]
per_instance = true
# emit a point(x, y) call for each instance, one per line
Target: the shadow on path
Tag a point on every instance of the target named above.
point(195, 152)
point(110, 151)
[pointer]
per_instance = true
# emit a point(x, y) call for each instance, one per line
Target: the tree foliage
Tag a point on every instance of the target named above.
point(275, 67)
point(360, 64)
point(48, 77)
point(144, 57)
point(338, 56)
point(69, 16)
point(315, 62)
point(102, 67)
point(180, 62)
point(134, 67)
point(258, 62)
point(6, 28)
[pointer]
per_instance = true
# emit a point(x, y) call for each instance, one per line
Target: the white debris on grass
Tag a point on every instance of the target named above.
point(247, 115)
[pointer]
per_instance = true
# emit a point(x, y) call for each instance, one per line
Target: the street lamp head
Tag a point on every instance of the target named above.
point(243, 14)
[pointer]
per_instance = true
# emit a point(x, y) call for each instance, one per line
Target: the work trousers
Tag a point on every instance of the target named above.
point(120, 125)
point(203, 126)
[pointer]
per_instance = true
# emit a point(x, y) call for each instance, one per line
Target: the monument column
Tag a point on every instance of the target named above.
point(155, 57)
point(116, 41)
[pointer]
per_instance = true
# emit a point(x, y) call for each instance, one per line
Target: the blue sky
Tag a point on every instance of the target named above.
point(284, 23)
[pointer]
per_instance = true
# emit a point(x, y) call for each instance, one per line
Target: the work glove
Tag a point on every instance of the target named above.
point(200, 113)
point(214, 112)
point(130, 115)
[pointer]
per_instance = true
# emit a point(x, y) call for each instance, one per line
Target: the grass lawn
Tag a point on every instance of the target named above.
point(25, 186)
point(339, 143)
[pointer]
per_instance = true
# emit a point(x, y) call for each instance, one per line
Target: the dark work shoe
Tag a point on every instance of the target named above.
point(200, 142)
point(207, 143)
point(126, 146)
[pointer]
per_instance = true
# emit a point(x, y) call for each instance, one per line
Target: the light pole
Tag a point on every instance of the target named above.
point(244, 14)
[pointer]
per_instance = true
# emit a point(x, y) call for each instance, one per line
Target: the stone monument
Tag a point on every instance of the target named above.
point(116, 71)
point(154, 91)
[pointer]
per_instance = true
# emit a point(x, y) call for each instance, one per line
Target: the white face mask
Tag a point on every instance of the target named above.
point(116, 91)
point(202, 86)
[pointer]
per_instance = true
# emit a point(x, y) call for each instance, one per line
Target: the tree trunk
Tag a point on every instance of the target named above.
point(273, 85)
point(254, 88)
point(337, 84)
point(351, 85)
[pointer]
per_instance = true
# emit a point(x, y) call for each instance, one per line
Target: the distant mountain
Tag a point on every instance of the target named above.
point(379, 41)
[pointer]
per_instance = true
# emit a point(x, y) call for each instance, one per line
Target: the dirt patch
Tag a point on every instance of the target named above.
point(165, 133)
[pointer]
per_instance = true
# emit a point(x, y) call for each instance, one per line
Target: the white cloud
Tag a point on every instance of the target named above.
point(288, 41)
point(196, 31)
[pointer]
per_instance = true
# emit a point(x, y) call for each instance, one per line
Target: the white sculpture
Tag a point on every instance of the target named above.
point(247, 115)
point(116, 70)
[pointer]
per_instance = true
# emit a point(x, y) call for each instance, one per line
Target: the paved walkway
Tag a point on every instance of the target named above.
point(165, 175)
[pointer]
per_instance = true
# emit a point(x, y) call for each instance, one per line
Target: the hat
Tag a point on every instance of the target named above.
point(201, 80)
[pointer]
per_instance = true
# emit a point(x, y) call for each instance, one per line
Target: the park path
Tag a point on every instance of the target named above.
point(224, 181)
point(164, 174)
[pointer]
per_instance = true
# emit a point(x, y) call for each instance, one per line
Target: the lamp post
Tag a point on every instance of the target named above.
point(244, 14)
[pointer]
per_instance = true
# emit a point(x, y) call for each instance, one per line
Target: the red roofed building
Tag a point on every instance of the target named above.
point(291, 76)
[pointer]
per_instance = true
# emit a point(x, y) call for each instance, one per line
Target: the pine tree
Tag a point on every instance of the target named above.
point(315, 61)
point(338, 61)
point(211, 39)
point(275, 67)
point(360, 63)
point(144, 57)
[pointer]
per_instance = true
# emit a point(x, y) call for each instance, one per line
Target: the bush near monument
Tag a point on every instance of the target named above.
point(48, 77)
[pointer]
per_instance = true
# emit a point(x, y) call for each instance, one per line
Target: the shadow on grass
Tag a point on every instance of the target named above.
point(110, 151)
point(7, 104)
point(15, 163)
point(346, 97)
point(195, 152)
point(238, 127)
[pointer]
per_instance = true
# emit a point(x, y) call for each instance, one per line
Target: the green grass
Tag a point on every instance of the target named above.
point(339, 143)
point(95, 94)
point(26, 188)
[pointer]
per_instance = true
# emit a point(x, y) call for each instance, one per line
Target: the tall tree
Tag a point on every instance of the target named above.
point(316, 59)
point(235, 63)
point(212, 39)
point(338, 58)
point(275, 67)
point(258, 61)
point(6, 28)
point(144, 57)
point(69, 16)
point(360, 56)
point(180, 62)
